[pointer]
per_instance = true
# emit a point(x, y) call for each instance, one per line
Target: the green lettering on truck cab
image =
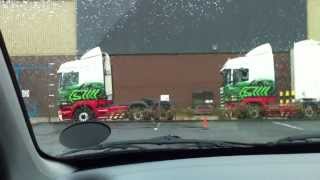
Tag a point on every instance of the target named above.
point(86, 91)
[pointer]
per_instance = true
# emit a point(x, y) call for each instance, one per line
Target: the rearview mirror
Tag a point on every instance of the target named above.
point(84, 134)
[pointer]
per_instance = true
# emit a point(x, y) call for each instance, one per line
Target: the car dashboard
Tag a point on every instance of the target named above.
point(252, 167)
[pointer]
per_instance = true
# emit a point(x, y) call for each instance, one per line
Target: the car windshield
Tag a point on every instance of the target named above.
point(166, 71)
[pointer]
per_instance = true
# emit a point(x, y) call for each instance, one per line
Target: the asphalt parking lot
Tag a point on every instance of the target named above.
point(47, 134)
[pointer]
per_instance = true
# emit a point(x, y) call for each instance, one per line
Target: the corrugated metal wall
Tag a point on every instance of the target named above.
point(39, 28)
point(37, 75)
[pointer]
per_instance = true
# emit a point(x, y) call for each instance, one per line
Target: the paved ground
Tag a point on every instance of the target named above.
point(244, 131)
point(35, 120)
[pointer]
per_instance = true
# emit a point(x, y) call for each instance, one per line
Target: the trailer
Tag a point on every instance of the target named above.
point(85, 93)
point(250, 87)
point(305, 63)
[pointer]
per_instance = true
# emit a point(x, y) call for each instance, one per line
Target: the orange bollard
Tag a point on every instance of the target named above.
point(205, 123)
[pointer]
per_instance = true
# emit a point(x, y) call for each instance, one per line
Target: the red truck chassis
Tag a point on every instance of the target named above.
point(101, 109)
point(268, 107)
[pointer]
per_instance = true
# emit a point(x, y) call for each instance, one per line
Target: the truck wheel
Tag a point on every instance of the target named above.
point(309, 112)
point(137, 113)
point(83, 114)
point(254, 111)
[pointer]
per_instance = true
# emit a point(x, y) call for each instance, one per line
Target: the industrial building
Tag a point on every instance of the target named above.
point(179, 46)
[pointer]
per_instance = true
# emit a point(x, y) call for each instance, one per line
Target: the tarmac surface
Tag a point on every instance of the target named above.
point(264, 130)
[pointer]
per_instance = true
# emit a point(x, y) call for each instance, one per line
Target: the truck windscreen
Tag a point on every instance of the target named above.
point(59, 75)
point(240, 75)
point(226, 76)
point(68, 79)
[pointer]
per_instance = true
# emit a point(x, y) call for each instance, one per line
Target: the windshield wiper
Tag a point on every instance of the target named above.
point(158, 142)
point(303, 138)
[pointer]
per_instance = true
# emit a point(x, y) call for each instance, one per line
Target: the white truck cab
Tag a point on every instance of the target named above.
point(93, 66)
point(258, 64)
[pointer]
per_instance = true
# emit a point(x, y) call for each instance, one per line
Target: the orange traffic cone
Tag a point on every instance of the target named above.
point(205, 123)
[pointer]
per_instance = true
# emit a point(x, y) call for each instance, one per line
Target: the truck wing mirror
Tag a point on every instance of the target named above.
point(244, 74)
